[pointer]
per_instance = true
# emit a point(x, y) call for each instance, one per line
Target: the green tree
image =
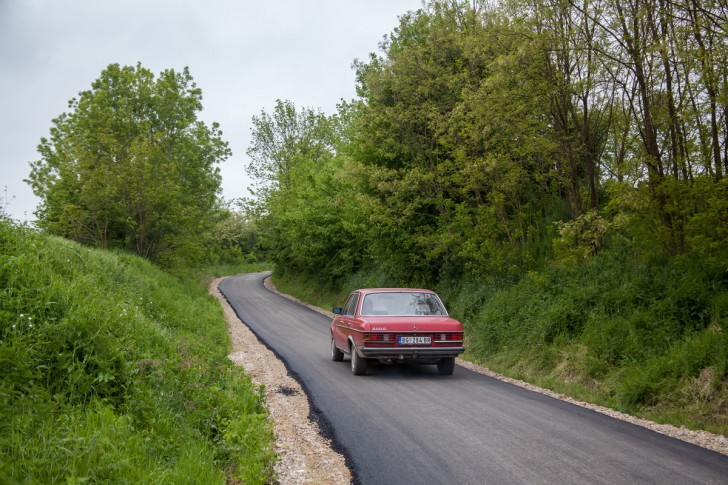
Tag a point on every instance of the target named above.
point(485, 132)
point(282, 141)
point(453, 125)
point(310, 209)
point(131, 166)
point(235, 237)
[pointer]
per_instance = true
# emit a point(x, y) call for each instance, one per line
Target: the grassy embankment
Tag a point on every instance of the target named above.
point(649, 338)
point(114, 371)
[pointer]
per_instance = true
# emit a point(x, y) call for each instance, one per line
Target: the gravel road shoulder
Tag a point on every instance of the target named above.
point(307, 457)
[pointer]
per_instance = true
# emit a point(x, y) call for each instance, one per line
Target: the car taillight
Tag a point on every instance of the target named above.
point(449, 337)
point(378, 338)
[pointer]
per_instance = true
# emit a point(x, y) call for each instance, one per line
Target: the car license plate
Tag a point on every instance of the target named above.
point(414, 340)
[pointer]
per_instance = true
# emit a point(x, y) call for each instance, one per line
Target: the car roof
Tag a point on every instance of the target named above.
point(365, 291)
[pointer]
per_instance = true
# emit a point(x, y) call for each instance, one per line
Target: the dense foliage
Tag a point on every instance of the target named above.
point(130, 166)
point(645, 337)
point(112, 371)
point(308, 210)
point(544, 164)
point(482, 136)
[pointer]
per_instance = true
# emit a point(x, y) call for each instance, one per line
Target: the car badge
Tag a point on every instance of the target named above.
point(414, 326)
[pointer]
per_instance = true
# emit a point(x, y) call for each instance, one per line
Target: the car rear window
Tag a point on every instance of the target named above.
point(402, 304)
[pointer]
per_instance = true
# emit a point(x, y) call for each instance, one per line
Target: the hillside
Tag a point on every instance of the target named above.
point(113, 370)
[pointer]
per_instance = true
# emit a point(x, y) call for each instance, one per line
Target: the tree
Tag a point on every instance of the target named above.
point(131, 166)
point(310, 211)
point(235, 237)
point(451, 125)
point(664, 61)
point(281, 140)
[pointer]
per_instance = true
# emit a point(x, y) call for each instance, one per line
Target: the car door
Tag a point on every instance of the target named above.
point(343, 322)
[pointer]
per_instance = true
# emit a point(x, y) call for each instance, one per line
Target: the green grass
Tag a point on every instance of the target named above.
point(114, 371)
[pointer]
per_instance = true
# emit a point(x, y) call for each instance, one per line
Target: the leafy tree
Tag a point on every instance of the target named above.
point(310, 210)
point(319, 227)
point(235, 236)
point(284, 139)
point(661, 62)
point(452, 122)
point(131, 166)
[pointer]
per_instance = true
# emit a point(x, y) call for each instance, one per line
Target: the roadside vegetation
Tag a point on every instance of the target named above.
point(556, 170)
point(114, 371)
point(647, 338)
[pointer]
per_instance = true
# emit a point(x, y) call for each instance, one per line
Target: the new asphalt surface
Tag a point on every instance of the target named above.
point(405, 424)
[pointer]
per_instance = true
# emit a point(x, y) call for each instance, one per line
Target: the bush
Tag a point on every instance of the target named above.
point(643, 334)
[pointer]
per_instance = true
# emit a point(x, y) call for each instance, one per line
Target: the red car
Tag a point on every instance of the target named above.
point(395, 325)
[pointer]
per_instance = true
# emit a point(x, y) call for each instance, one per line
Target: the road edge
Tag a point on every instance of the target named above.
point(305, 454)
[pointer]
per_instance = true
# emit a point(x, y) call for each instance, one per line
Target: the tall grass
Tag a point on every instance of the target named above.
point(113, 371)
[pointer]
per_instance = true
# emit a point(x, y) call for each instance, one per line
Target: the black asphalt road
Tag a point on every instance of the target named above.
point(408, 425)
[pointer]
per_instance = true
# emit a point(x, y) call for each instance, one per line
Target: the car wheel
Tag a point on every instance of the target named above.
point(336, 354)
point(445, 367)
point(358, 364)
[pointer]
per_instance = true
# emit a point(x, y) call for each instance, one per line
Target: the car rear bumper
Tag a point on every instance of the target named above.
point(409, 353)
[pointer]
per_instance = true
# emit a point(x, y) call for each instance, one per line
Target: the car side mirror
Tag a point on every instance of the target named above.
point(337, 310)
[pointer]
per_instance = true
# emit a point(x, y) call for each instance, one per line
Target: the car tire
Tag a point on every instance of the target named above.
point(336, 354)
point(446, 366)
point(358, 364)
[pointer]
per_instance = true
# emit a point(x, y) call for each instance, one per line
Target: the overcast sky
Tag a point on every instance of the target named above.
point(243, 54)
